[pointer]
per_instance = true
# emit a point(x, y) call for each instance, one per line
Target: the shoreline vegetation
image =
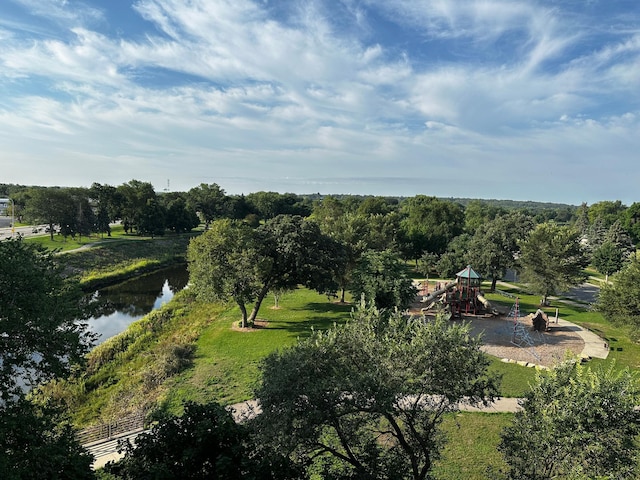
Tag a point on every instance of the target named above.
point(98, 262)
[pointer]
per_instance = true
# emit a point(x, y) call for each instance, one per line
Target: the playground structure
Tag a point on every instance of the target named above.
point(460, 296)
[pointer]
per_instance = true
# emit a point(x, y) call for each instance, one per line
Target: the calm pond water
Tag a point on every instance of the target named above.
point(119, 305)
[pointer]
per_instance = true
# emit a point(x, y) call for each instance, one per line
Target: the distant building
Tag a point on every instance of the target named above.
point(4, 206)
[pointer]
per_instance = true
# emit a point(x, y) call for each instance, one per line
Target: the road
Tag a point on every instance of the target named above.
point(6, 231)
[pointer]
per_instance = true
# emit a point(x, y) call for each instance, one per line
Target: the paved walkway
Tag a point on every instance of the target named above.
point(104, 451)
point(594, 346)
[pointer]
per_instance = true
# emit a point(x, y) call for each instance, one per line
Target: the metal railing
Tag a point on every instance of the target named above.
point(107, 431)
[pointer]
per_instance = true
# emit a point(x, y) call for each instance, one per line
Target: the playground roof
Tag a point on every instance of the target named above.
point(468, 273)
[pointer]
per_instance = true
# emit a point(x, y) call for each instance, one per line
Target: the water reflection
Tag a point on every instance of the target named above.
point(114, 308)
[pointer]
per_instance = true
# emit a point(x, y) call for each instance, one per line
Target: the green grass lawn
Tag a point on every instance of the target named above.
point(227, 359)
point(470, 452)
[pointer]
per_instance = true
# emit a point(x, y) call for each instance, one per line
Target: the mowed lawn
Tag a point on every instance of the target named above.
point(227, 359)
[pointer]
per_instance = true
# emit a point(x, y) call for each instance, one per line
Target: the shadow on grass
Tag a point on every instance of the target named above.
point(320, 316)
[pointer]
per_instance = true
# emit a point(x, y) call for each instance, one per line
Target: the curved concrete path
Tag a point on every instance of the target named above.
point(594, 346)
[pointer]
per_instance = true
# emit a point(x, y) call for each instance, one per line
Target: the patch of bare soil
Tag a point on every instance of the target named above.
point(257, 325)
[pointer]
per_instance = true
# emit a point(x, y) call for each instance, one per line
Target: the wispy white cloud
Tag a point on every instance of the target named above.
point(66, 11)
point(244, 87)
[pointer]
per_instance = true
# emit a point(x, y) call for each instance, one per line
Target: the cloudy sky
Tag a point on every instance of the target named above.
point(512, 99)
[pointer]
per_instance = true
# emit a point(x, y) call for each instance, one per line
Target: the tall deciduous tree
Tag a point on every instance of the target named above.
point(608, 258)
point(493, 247)
point(429, 225)
point(232, 260)
point(40, 338)
point(631, 221)
point(350, 231)
point(366, 400)
point(607, 211)
point(576, 423)
point(136, 197)
point(39, 335)
point(454, 258)
point(552, 259)
point(209, 201)
point(224, 264)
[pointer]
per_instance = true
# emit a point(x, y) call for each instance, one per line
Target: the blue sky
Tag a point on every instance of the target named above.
point(510, 99)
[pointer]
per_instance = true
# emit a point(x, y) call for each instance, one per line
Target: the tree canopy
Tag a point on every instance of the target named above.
point(383, 280)
point(204, 442)
point(619, 301)
point(40, 337)
point(366, 400)
point(552, 259)
point(429, 225)
point(233, 260)
point(576, 422)
point(494, 246)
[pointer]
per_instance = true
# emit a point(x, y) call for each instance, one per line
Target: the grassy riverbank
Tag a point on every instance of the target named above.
point(101, 261)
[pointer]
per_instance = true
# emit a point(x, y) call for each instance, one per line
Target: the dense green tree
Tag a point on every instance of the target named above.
point(350, 231)
point(576, 422)
point(108, 206)
point(232, 260)
point(619, 301)
point(595, 234)
point(41, 337)
point(209, 201)
point(608, 211)
point(582, 219)
point(427, 263)
point(377, 206)
point(455, 258)
point(152, 218)
point(137, 200)
point(620, 237)
point(179, 218)
point(493, 248)
point(608, 258)
point(383, 279)
point(384, 232)
point(327, 210)
point(52, 206)
point(77, 217)
point(429, 225)
point(478, 212)
point(366, 400)
point(631, 221)
point(204, 442)
point(271, 204)
point(552, 259)
point(224, 263)
point(37, 441)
